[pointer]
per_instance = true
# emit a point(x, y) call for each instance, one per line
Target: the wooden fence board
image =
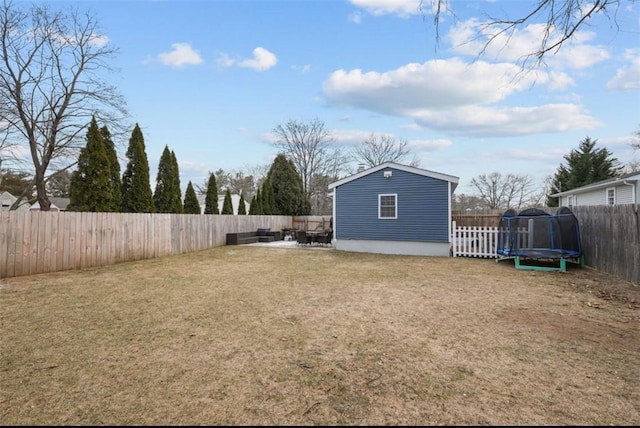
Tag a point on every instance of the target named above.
point(44, 258)
point(610, 238)
point(5, 243)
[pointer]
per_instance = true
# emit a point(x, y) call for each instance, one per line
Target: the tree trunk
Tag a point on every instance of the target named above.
point(43, 199)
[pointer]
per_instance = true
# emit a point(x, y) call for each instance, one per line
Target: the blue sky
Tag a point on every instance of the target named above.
point(211, 79)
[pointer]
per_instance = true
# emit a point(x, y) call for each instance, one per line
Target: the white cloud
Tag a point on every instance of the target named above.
point(355, 17)
point(480, 121)
point(98, 41)
point(15, 153)
point(441, 84)
point(428, 145)
point(349, 136)
point(472, 37)
point(627, 77)
point(456, 97)
point(577, 54)
point(262, 60)
point(224, 60)
point(304, 69)
point(403, 8)
point(181, 55)
point(559, 80)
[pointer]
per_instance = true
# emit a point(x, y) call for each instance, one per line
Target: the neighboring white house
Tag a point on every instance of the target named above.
point(7, 199)
point(235, 201)
point(57, 204)
point(613, 191)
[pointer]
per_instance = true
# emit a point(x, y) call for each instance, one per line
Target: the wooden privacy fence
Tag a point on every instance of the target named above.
point(611, 239)
point(480, 220)
point(37, 241)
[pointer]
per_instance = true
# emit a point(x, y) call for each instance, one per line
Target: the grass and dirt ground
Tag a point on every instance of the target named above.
point(249, 335)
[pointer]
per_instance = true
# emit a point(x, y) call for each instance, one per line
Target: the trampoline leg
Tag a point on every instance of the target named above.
point(563, 266)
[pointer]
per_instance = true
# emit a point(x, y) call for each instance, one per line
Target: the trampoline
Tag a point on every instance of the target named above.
point(550, 241)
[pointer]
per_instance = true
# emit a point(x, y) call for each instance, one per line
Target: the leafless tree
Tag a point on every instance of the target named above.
point(636, 144)
point(505, 191)
point(50, 84)
point(463, 203)
point(309, 146)
point(631, 166)
point(562, 19)
point(378, 149)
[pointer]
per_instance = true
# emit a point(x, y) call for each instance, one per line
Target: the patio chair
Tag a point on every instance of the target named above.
point(325, 238)
point(302, 238)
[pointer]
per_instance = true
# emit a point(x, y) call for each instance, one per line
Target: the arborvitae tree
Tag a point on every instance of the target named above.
point(115, 182)
point(167, 197)
point(136, 188)
point(288, 193)
point(253, 206)
point(90, 188)
point(191, 204)
point(211, 200)
point(242, 209)
point(584, 166)
point(258, 202)
point(227, 205)
point(267, 196)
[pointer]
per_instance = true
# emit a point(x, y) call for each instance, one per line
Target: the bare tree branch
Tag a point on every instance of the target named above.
point(562, 19)
point(308, 145)
point(378, 149)
point(505, 192)
point(50, 84)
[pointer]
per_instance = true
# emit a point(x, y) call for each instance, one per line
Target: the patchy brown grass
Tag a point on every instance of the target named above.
point(271, 336)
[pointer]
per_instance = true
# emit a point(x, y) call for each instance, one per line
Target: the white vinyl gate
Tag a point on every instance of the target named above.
point(474, 241)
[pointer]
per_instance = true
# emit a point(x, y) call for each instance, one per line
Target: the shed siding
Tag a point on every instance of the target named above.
point(422, 203)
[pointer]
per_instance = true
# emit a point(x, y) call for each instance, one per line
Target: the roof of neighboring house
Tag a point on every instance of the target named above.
point(57, 204)
point(36, 207)
point(4, 195)
point(7, 199)
point(615, 181)
point(454, 180)
point(235, 201)
point(60, 203)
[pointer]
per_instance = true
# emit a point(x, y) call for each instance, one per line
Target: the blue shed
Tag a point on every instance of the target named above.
point(393, 209)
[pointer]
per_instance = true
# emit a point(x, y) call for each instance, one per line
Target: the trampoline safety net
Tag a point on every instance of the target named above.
point(536, 234)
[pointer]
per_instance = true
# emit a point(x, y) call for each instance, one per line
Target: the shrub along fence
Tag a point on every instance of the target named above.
point(37, 242)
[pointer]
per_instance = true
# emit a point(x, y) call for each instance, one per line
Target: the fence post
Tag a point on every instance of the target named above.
point(454, 238)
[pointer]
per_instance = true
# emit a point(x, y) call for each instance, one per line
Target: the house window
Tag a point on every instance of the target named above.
point(388, 206)
point(570, 201)
point(611, 196)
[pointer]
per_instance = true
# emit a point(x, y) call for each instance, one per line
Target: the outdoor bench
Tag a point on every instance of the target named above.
point(260, 235)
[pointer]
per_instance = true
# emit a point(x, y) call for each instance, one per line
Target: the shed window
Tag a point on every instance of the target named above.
point(570, 200)
point(611, 196)
point(388, 206)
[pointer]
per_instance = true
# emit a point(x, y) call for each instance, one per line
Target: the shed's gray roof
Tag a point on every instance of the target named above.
point(454, 180)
